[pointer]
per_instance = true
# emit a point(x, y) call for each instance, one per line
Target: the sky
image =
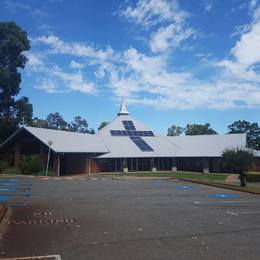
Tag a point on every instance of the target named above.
point(175, 62)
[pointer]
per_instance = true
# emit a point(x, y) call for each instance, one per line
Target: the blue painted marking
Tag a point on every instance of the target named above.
point(17, 204)
point(162, 181)
point(8, 189)
point(11, 179)
point(223, 195)
point(8, 183)
point(183, 187)
point(15, 184)
point(4, 198)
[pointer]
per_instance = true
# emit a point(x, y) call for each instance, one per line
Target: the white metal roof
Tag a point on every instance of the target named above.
point(117, 124)
point(122, 146)
point(207, 145)
point(166, 146)
point(69, 142)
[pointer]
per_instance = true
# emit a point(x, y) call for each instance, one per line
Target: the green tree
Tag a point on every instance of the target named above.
point(7, 127)
point(175, 130)
point(56, 121)
point(103, 124)
point(252, 131)
point(23, 110)
point(237, 161)
point(198, 129)
point(79, 125)
point(13, 42)
point(37, 122)
point(91, 131)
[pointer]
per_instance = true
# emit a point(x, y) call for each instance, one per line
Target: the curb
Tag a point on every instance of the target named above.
point(218, 185)
point(141, 178)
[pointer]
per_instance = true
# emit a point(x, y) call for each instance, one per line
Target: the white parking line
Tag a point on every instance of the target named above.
point(237, 213)
point(249, 212)
point(222, 201)
point(53, 257)
point(231, 213)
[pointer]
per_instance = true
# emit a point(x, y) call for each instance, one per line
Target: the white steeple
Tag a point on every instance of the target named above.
point(123, 109)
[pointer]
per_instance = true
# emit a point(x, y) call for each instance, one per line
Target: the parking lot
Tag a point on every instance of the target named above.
point(102, 218)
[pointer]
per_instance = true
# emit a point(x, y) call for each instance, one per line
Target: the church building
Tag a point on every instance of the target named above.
point(124, 145)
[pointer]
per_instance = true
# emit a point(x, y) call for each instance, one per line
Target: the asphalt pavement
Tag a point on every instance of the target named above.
point(102, 218)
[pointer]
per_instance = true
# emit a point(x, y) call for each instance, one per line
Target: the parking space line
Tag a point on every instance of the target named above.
point(56, 257)
point(231, 213)
point(223, 201)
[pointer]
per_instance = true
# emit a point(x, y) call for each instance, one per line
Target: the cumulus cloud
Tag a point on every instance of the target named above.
point(150, 78)
point(17, 6)
point(58, 46)
point(169, 37)
point(77, 65)
point(55, 80)
point(148, 13)
point(245, 55)
point(252, 4)
point(163, 19)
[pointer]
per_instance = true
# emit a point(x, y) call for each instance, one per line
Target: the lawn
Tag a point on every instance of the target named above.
point(177, 175)
point(212, 179)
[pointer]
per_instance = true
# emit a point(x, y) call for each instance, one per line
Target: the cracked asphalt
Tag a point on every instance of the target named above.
point(101, 218)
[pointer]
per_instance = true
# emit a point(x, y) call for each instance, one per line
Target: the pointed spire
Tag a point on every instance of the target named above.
point(123, 109)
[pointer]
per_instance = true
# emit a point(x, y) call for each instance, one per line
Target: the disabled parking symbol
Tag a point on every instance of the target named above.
point(223, 196)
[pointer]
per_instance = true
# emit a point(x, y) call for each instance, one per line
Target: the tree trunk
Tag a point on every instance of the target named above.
point(242, 179)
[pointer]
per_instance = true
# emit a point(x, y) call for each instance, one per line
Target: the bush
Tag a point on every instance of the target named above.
point(253, 177)
point(237, 160)
point(12, 171)
point(50, 173)
point(3, 165)
point(30, 165)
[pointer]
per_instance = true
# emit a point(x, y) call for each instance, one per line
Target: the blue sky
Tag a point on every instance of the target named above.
point(176, 62)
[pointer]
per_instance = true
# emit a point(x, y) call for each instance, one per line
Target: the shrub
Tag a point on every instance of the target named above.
point(3, 165)
point(30, 165)
point(50, 173)
point(12, 171)
point(237, 160)
point(253, 177)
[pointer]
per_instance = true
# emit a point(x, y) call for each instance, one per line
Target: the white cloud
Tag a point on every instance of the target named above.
point(47, 85)
point(151, 12)
point(164, 20)
point(150, 78)
point(208, 7)
point(240, 29)
point(169, 37)
point(77, 65)
point(73, 81)
point(147, 80)
point(53, 79)
point(245, 54)
point(59, 46)
point(252, 4)
point(247, 49)
point(17, 6)
point(34, 59)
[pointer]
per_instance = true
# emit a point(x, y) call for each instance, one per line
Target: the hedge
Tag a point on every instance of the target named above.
point(30, 165)
point(3, 165)
point(253, 177)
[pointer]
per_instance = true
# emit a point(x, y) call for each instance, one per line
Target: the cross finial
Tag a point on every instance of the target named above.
point(123, 109)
